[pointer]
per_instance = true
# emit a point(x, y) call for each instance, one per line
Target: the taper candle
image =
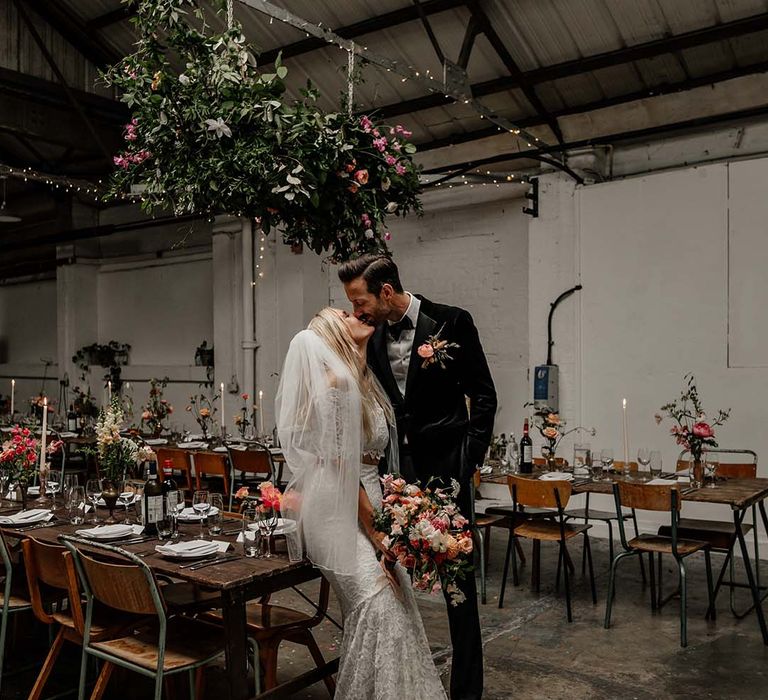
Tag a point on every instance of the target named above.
point(261, 413)
point(13, 396)
point(626, 433)
point(223, 415)
point(45, 429)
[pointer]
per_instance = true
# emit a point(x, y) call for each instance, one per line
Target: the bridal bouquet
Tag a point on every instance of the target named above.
point(427, 534)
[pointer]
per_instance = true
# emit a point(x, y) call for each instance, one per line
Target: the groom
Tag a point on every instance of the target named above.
point(437, 435)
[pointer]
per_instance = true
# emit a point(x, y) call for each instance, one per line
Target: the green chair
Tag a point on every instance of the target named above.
point(11, 603)
point(161, 645)
point(656, 498)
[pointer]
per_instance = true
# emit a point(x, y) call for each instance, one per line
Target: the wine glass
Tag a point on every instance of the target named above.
point(606, 459)
point(77, 505)
point(93, 492)
point(644, 458)
point(201, 506)
point(711, 465)
point(267, 518)
point(174, 504)
point(655, 463)
point(126, 497)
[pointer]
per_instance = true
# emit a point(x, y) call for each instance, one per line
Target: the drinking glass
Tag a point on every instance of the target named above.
point(250, 532)
point(513, 456)
point(581, 458)
point(216, 501)
point(77, 505)
point(267, 524)
point(93, 492)
point(695, 472)
point(655, 463)
point(606, 458)
point(68, 482)
point(644, 458)
point(126, 497)
point(174, 504)
point(596, 468)
point(711, 465)
point(201, 506)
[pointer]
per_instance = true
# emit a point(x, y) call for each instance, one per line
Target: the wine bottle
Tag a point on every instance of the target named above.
point(526, 451)
point(169, 483)
point(152, 511)
point(71, 419)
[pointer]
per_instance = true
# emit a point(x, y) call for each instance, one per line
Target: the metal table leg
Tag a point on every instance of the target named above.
point(235, 643)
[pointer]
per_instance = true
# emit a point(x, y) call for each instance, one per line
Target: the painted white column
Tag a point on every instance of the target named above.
point(77, 302)
point(228, 309)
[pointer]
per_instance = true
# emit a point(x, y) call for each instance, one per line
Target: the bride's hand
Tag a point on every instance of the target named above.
point(377, 538)
point(389, 572)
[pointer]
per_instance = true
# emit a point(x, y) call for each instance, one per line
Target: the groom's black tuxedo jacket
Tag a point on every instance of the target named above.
point(442, 440)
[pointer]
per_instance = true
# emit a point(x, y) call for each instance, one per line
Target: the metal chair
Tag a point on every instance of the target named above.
point(534, 493)
point(165, 646)
point(212, 464)
point(11, 603)
point(656, 498)
point(721, 535)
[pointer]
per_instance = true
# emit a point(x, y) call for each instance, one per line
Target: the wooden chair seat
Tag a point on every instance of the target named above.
point(266, 620)
point(592, 514)
point(188, 642)
point(549, 531)
point(663, 545)
point(15, 602)
point(509, 511)
point(488, 520)
point(718, 534)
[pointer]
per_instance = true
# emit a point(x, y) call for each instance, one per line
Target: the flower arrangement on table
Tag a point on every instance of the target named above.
point(692, 430)
point(84, 403)
point(38, 402)
point(203, 408)
point(118, 455)
point(20, 458)
point(241, 419)
point(220, 136)
point(157, 409)
point(550, 426)
point(427, 533)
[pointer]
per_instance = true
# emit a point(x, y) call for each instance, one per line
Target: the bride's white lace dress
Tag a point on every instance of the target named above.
point(384, 653)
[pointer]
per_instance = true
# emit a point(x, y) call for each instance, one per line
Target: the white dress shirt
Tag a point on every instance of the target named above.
point(399, 351)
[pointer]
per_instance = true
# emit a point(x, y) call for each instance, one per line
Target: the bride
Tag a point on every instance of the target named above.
point(335, 424)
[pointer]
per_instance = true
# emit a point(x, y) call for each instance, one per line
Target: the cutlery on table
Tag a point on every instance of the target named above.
point(203, 564)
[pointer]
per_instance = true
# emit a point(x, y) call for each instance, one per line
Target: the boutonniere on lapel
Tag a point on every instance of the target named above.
point(435, 350)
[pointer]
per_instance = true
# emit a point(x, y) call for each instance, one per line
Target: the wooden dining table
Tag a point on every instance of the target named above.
point(237, 581)
point(739, 494)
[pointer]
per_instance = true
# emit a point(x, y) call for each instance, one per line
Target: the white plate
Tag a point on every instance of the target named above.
point(220, 449)
point(556, 476)
point(194, 445)
point(155, 441)
point(188, 515)
point(107, 532)
point(188, 550)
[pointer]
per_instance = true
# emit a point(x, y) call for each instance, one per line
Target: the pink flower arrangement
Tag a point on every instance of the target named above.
point(692, 430)
point(19, 456)
point(271, 498)
point(426, 532)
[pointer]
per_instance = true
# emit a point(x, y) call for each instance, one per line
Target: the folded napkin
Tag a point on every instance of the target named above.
point(220, 449)
point(238, 446)
point(67, 435)
point(195, 436)
point(110, 531)
point(556, 476)
point(192, 548)
point(193, 445)
point(487, 469)
point(27, 516)
point(155, 441)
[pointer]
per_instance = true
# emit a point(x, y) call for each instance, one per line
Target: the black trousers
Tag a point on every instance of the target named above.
point(463, 619)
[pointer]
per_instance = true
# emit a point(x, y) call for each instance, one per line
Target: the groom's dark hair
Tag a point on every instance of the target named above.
point(376, 270)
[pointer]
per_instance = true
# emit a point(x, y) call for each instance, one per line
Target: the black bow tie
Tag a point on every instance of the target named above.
point(395, 329)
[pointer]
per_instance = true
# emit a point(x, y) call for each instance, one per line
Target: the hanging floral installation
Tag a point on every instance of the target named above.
point(213, 134)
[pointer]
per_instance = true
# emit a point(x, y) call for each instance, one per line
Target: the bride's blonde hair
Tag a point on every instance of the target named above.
point(328, 324)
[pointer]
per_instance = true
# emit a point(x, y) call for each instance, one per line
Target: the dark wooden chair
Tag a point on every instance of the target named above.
point(211, 464)
point(12, 601)
point(181, 463)
point(534, 493)
point(161, 645)
point(656, 498)
point(721, 535)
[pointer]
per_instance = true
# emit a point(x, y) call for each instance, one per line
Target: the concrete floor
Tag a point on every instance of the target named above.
point(531, 652)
